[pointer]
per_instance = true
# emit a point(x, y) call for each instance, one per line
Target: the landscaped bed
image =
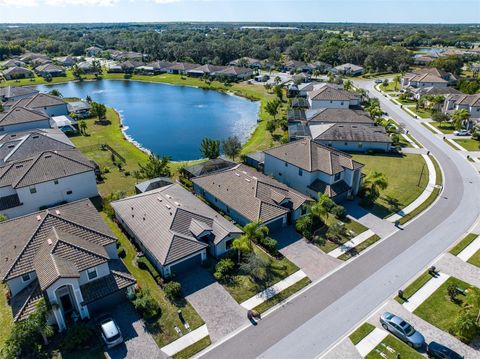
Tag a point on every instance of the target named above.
point(440, 311)
point(446, 128)
point(469, 144)
point(407, 177)
point(399, 350)
point(361, 332)
point(353, 229)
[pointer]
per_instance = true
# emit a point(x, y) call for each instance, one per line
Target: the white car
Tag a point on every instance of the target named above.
point(110, 332)
point(378, 81)
point(461, 133)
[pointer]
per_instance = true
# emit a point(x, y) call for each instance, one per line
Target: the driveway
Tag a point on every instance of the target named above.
point(138, 342)
point(214, 304)
point(305, 255)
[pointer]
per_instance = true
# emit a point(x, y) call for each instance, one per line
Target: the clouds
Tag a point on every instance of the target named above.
point(53, 3)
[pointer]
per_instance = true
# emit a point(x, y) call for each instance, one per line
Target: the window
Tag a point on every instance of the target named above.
point(55, 182)
point(69, 192)
point(286, 164)
point(300, 172)
point(337, 176)
point(92, 273)
point(346, 143)
point(33, 190)
point(341, 103)
point(2, 128)
point(26, 277)
point(228, 244)
point(280, 174)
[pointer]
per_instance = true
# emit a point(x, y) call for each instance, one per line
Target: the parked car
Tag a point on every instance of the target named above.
point(461, 132)
point(110, 332)
point(439, 351)
point(402, 330)
point(378, 81)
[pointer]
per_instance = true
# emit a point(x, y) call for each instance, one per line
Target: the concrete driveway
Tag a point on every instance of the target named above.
point(214, 304)
point(138, 342)
point(304, 254)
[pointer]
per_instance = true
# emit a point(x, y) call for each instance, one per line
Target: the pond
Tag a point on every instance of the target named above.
point(169, 120)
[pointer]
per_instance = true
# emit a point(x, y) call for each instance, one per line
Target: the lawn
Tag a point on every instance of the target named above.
point(241, 286)
point(361, 332)
point(475, 259)
point(360, 248)
point(193, 349)
point(414, 287)
point(423, 113)
point(406, 102)
point(401, 350)
point(445, 127)
point(391, 86)
point(284, 294)
point(354, 228)
point(6, 319)
point(460, 246)
point(38, 80)
point(440, 311)
point(469, 144)
point(163, 330)
point(405, 180)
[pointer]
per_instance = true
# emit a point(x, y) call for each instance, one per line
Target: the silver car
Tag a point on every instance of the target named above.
point(110, 332)
point(402, 330)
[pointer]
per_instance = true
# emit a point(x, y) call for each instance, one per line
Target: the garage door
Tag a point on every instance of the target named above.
point(187, 264)
point(276, 224)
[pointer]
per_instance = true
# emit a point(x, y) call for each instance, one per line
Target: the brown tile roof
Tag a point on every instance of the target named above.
point(42, 100)
point(462, 99)
point(18, 115)
point(25, 302)
point(349, 132)
point(311, 156)
point(49, 68)
point(338, 115)
point(330, 93)
point(182, 66)
point(13, 91)
point(250, 193)
point(234, 70)
point(331, 190)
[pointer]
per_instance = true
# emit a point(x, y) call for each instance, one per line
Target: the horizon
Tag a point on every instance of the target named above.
point(239, 11)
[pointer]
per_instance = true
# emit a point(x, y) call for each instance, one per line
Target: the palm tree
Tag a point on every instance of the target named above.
point(460, 117)
point(82, 126)
point(56, 93)
point(347, 85)
point(374, 182)
point(396, 81)
point(241, 245)
point(255, 231)
point(272, 107)
point(38, 321)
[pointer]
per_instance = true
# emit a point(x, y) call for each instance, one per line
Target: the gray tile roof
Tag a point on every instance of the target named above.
point(8, 92)
point(332, 190)
point(349, 66)
point(18, 115)
point(207, 69)
point(234, 70)
point(42, 100)
point(81, 236)
point(312, 156)
point(348, 132)
point(462, 99)
point(25, 302)
point(250, 193)
point(153, 183)
point(330, 93)
point(182, 66)
point(209, 166)
point(51, 68)
point(338, 115)
point(161, 220)
point(17, 70)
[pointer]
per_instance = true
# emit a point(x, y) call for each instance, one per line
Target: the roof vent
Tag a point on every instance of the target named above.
point(237, 174)
point(177, 204)
point(38, 217)
point(168, 206)
point(168, 196)
point(49, 241)
point(246, 179)
point(57, 212)
point(159, 199)
point(48, 156)
point(11, 146)
point(35, 137)
point(18, 166)
point(131, 208)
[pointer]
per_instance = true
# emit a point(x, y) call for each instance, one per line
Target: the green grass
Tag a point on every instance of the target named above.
point(391, 86)
point(414, 287)
point(414, 140)
point(423, 113)
point(450, 144)
point(406, 102)
point(475, 259)
point(361, 332)
point(460, 246)
point(284, 294)
point(163, 330)
point(403, 174)
point(37, 80)
point(360, 248)
point(193, 349)
point(353, 227)
point(6, 319)
point(441, 312)
point(445, 127)
point(402, 349)
point(469, 144)
point(241, 287)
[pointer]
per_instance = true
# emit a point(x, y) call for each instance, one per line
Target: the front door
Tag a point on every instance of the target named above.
point(67, 304)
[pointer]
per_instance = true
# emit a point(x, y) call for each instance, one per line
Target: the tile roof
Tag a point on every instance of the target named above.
point(348, 132)
point(338, 115)
point(161, 220)
point(18, 115)
point(16, 70)
point(331, 190)
point(331, 93)
point(209, 166)
point(207, 69)
point(182, 66)
point(42, 100)
point(153, 183)
point(25, 302)
point(250, 193)
point(311, 156)
point(49, 68)
point(349, 66)
point(81, 234)
point(462, 99)
point(8, 92)
point(234, 70)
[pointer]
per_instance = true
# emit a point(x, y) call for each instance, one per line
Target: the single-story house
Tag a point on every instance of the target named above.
point(321, 66)
point(12, 63)
point(435, 91)
point(180, 68)
point(205, 70)
point(80, 108)
point(40, 61)
point(30, 56)
point(247, 195)
point(17, 72)
point(22, 119)
point(247, 62)
point(93, 51)
point(67, 61)
point(174, 229)
point(294, 65)
point(67, 255)
point(152, 184)
point(471, 103)
point(312, 168)
point(338, 115)
point(86, 67)
point(64, 123)
point(305, 88)
point(114, 67)
point(236, 73)
point(50, 70)
point(348, 69)
point(329, 96)
point(14, 93)
point(203, 168)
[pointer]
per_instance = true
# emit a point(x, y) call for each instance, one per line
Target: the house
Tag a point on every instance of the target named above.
point(66, 255)
point(129, 66)
point(312, 168)
point(255, 160)
point(12, 63)
point(64, 123)
point(292, 90)
point(86, 67)
point(160, 66)
point(67, 61)
point(210, 166)
point(21, 119)
point(174, 229)
point(338, 115)
point(45, 179)
point(434, 91)
point(247, 62)
point(329, 96)
point(300, 103)
point(126, 55)
point(296, 66)
point(14, 93)
point(247, 195)
point(235, 73)
point(51, 105)
point(17, 72)
point(114, 67)
point(348, 69)
point(81, 109)
point(93, 51)
point(31, 56)
point(321, 66)
point(428, 77)
point(205, 70)
point(50, 70)
point(180, 68)
point(471, 103)
point(151, 184)
point(21, 145)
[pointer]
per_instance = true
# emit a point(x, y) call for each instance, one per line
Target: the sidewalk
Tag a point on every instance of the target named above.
point(185, 341)
point(470, 250)
point(268, 293)
point(362, 237)
point(370, 342)
point(426, 291)
point(459, 269)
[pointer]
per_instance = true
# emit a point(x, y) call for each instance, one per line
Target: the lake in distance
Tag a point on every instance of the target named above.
point(166, 119)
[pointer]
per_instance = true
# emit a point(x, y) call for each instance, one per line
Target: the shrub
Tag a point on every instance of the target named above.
point(269, 244)
point(452, 292)
point(145, 304)
point(339, 211)
point(173, 290)
point(223, 269)
point(127, 76)
point(78, 335)
point(121, 252)
point(106, 170)
point(304, 225)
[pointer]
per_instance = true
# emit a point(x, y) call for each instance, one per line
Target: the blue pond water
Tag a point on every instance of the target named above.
point(169, 120)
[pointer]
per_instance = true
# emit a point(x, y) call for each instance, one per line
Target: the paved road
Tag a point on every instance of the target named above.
point(311, 323)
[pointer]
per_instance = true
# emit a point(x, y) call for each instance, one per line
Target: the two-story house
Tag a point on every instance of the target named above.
point(21, 118)
point(471, 103)
point(312, 168)
point(51, 105)
point(428, 77)
point(66, 255)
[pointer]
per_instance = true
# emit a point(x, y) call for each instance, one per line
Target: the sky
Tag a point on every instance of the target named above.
point(378, 11)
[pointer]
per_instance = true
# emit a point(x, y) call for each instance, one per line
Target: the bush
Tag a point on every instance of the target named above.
point(304, 226)
point(145, 304)
point(223, 269)
point(452, 292)
point(269, 244)
point(106, 170)
point(127, 76)
point(78, 336)
point(173, 290)
point(121, 252)
point(339, 212)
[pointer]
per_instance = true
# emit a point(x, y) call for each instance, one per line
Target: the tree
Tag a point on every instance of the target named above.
point(82, 126)
point(55, 92)
point(255, 231)
point(156, 166)
point(347, 85)
point(336, 231)
point(277, 80)
point(396, 81)
point(256, 266)
point(466, 325)
point(243, 245)
point(440, 117)
point(278, 91)
point(38, 321)
point(231, 147)
point(97, 68)
point(460, 118)
point(88, 99)
point(210, 148)
point(304, 225)
point(272, 107)
point(374, 182)
point(76, 72)
point(271, 126)
point(98, 110)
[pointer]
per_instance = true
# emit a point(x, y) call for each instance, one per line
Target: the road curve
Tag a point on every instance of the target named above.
point(311, 323)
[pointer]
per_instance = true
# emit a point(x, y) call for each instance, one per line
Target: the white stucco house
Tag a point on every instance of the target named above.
point(66, 255)
point(49, 104)
point(471, 103)
point(22, 119)
point(312, 168)
point(174, 229)
point(328, 96)
point(427, 77)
